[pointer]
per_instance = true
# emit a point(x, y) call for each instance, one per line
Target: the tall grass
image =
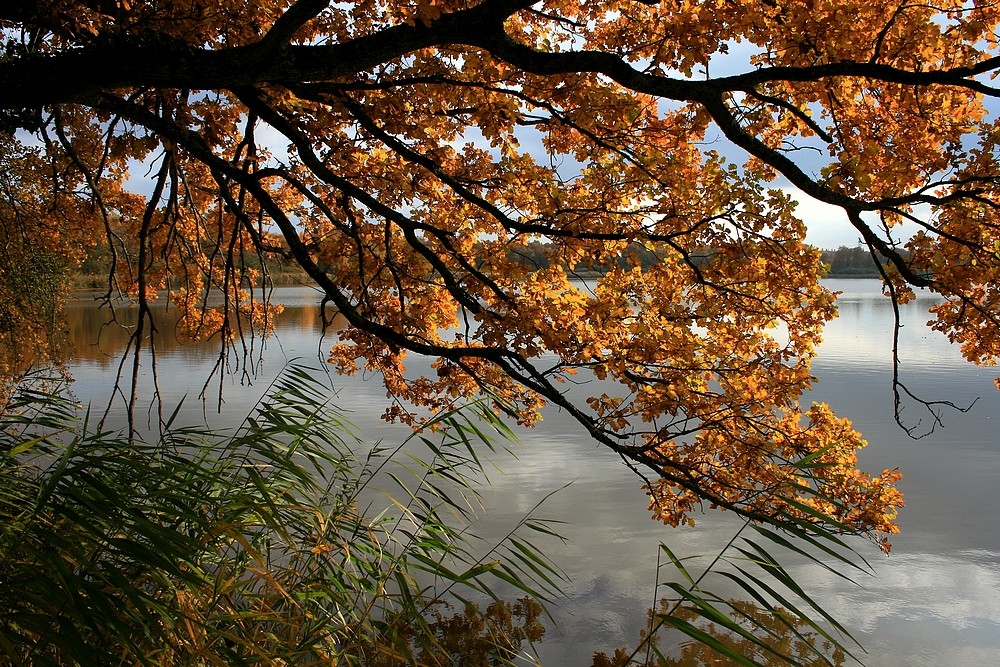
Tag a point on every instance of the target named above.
point(775, 621)
point(269, 545)
point(291, 541)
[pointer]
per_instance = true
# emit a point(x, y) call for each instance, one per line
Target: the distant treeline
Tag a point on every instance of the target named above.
point(844, 262)
point(536, 255)
point(854, 262)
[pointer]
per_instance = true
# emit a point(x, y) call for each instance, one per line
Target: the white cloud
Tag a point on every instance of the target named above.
point(827, 225)
point(829, 228)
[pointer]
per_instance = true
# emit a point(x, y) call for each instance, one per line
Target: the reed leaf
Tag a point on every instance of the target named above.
point(250, 547)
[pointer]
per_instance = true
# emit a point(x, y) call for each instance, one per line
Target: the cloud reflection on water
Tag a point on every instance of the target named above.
point(935, 601)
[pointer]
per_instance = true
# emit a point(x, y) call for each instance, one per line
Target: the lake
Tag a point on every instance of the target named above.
point(934, 601)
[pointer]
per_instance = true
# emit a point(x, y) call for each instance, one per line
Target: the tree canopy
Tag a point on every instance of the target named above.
point(402, 152)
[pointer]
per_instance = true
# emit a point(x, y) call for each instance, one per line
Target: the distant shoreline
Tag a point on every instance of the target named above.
point(84, 285)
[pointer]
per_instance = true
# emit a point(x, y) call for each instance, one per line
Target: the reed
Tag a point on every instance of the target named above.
point(289, 541)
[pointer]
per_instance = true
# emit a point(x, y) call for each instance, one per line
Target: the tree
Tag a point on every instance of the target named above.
point(401, 150)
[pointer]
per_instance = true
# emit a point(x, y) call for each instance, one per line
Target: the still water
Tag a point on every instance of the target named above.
point(934, 601)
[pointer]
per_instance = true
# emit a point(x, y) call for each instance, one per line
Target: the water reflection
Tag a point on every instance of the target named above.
point(950, 597)
point(934, 601)
point(99, 333)
point(862, 334)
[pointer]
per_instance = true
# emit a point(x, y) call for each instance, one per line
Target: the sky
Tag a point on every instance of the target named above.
point(827, 225)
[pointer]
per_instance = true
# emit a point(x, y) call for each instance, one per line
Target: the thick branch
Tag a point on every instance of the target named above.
point(80, 75)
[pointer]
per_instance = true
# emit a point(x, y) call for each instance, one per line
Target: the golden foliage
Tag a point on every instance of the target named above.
point(403, 153)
